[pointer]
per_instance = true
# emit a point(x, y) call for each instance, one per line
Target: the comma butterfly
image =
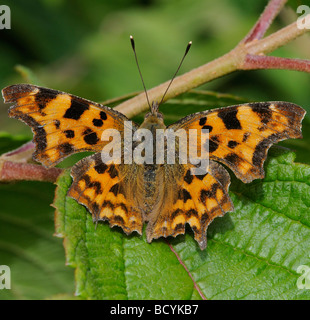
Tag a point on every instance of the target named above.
point(166, 196)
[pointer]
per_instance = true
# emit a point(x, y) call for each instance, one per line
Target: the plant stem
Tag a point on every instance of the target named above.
point(276, 40)
point(230, 62)
point(266, 62)
point(264, 21)
point(14, 171)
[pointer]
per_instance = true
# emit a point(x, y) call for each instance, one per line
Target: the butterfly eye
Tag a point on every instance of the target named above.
point(160, 115)
point(147, 115)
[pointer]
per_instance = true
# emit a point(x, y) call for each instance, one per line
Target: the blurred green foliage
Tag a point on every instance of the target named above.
point(82, 47)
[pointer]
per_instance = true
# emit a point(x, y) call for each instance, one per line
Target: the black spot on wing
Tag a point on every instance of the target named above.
point(229, 118)
point(202, 121)
point(112, 171)
point(184, 195)
point(232, 144)
point(117, 219)
point(44, 96)
point(213, 144)
point(66, 148)
point(179, 227)
point(232, 158)
point(188, 177)
point(191, 212)
point(97, 122)
point(176, 213)
point(201, 176)
point(107, 204)
point(69, 134)
point(90, 137)
point(97, 186)
point(57, 124)
point(210, 128)
point(76, 109)
point(205, 194)
point(246, 136)
point(263, 111)
point(115, 189)
point(100, 167)
point(103, 115)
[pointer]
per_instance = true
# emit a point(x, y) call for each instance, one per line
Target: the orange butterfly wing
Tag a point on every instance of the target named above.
point(191, 199)
point(63, 124)
point(239, 137)
point(107, 191)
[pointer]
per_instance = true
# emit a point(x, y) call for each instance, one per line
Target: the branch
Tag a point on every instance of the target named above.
point(265, 20)
point(237, 59)
point(265, 62)
point(21, 154)
point(14, 171)
point(15, 166)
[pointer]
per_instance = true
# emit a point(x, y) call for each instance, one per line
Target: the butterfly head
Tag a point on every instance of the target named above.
point(154, 107)
point(153, 119)
point(154, 116)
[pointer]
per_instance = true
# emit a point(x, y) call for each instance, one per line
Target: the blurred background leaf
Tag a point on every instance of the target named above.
point(27, 245)
point(83, 47)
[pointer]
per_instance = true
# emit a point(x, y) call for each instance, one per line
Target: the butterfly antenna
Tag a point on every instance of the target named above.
point(134, 50)
point(186, 52)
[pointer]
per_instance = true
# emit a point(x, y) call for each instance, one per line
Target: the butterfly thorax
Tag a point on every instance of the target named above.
point(152, 121)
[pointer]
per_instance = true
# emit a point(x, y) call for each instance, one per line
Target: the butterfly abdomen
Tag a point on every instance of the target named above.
point(150, 185)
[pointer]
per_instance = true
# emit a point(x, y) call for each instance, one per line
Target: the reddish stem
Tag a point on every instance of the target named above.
point(29, 146)
point(13, 171)
point(271, 11)
point(268, 62)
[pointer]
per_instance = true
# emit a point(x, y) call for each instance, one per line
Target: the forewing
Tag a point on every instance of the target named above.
point(63, 124)
point(240, 136)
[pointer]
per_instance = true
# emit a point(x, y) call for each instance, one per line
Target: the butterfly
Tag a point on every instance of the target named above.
point(165, 196)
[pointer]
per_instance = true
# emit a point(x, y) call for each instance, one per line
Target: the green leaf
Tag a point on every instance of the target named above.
point(9, 143)
point(27, 74)
point(252, 253)
point(27, 244)
point(301, 146)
